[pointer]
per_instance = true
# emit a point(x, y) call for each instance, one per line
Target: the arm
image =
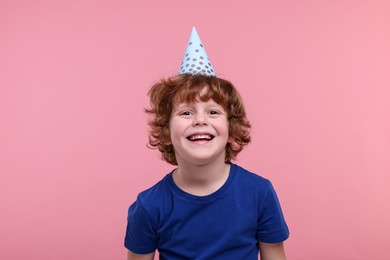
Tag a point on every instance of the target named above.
point(272, 251)
point(133, 256)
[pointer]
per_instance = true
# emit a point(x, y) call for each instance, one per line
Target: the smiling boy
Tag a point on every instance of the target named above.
point(208, 207)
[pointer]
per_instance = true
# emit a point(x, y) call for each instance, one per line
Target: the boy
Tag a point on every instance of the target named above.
point(208, 207)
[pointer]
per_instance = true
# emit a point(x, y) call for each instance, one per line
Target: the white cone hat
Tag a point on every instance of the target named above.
point(195, 60)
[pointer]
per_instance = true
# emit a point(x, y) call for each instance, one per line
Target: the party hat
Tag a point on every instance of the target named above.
point(195, 60)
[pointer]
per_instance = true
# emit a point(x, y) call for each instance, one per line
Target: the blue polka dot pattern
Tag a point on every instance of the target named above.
point(194, 56)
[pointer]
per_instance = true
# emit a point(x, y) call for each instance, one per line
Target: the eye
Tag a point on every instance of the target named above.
point(185, 113)
point(214, 112)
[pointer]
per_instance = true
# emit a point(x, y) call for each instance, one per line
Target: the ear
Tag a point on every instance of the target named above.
point(230, 140)
point(167, 134)
point(167, 141)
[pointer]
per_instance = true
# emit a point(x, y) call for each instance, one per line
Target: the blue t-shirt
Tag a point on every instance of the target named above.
point(227, 224)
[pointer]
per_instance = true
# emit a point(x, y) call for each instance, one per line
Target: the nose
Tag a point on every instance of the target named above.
point(199, 119)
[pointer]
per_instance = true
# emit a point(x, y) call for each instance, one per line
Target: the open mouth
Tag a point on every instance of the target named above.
point(200, 137)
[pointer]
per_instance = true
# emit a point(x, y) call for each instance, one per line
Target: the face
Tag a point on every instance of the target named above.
point(199, 132)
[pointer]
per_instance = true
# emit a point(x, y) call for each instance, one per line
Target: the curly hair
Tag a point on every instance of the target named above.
point(186, 88)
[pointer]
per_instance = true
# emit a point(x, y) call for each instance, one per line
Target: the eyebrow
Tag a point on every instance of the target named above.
point(191, 104)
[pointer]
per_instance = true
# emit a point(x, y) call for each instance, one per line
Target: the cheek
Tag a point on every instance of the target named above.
point(225, 126)
point(174, 133)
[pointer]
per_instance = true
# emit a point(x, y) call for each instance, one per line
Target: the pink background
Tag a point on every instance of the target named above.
point(73, 82)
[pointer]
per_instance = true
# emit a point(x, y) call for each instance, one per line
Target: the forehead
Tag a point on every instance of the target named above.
point(199, 94)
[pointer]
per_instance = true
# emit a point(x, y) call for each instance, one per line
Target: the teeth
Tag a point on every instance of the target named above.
point(199, 137)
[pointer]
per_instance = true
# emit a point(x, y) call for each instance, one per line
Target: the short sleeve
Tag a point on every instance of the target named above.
point(271, 226)
point(140, 232)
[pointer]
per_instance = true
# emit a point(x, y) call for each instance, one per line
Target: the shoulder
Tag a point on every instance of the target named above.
point(250, 179)
point(155, 193)
point(154, 199)
point(250, 187)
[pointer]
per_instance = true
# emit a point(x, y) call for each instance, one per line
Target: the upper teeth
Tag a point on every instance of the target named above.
point(196, 137)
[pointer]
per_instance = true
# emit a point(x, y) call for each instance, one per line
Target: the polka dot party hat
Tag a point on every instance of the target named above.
point(195, 60)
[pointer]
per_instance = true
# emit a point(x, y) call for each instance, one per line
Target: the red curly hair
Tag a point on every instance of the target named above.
point(186, 88)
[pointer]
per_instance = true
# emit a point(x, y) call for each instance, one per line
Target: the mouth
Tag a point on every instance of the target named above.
point(200, 137)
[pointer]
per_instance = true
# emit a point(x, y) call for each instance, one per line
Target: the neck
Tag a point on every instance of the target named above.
point(201, 179)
